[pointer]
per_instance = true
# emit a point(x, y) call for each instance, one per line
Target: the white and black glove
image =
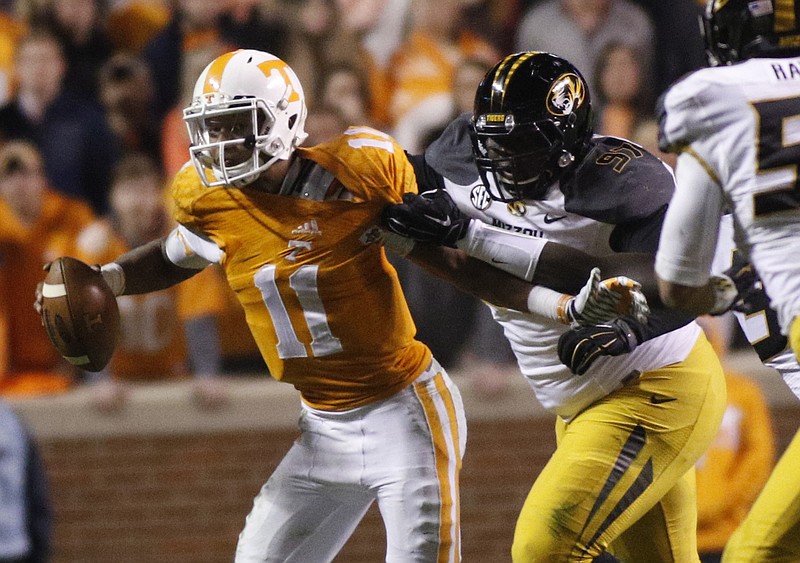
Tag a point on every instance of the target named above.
point(600, 301)
point(431, 217)
point(734, 288)
point(578, 348)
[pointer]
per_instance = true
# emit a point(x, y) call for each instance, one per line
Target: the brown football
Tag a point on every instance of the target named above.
point(80, 313)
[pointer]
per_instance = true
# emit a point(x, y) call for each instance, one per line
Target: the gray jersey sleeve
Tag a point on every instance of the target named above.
point(451, 153)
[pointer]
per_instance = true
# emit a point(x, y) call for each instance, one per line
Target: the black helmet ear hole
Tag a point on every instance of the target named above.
point(571, 119)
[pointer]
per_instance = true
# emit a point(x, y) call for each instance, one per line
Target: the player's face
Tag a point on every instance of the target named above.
point(514, 162)
point(230, 127)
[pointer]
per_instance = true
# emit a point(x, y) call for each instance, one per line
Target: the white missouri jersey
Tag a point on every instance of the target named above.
point(737, 130)
point(588, 220)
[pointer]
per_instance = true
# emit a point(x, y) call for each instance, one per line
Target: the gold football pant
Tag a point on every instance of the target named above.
point(794, 337)
point(623, 470)
point(771, 530)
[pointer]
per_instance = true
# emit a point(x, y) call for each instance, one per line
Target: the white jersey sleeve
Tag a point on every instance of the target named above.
point(690, 231)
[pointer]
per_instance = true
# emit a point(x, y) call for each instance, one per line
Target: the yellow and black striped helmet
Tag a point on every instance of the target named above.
point(531, 122)
point(734, 30)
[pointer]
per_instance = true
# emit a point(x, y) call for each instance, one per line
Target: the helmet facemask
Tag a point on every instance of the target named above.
point(522, 164)
point(722, 34)
point(232, 139)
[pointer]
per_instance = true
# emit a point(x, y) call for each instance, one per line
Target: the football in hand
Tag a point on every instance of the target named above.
point(80, 314)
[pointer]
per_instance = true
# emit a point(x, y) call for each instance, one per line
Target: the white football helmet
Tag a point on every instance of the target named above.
point(248, 111)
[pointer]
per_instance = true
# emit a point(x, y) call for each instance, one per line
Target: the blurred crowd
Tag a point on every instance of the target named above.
point(91, 130)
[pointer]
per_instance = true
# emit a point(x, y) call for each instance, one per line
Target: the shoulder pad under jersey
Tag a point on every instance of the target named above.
point(617, 182)
point(368, 162)
point(186, 187)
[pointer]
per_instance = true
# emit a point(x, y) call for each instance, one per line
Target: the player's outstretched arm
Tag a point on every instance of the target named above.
point(432, 218)
point(564, 268)
point(145, 269)
point(734, 289)
point(597, 301)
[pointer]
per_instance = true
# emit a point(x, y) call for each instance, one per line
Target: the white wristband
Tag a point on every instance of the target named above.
point(549, 303)
point(511, 252)
point(114, 276)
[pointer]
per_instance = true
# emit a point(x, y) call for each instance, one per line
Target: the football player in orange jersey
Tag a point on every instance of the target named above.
point(297, 233)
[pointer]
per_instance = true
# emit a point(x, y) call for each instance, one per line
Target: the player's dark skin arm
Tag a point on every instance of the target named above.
point(694, 300)
point(566, 269)
point(473, 276)
point(560, 267)
point(148, 269)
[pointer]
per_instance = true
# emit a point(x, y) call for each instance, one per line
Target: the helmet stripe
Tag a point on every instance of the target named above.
point(214, 75)
point(267, 67)
point(503, 74)
point(785, 16)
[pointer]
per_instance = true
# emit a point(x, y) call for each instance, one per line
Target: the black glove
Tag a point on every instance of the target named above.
point(431, 217)
point(747, 283)
point(578, 348)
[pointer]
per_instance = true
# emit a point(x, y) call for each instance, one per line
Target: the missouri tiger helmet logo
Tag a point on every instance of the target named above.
point(566, 94)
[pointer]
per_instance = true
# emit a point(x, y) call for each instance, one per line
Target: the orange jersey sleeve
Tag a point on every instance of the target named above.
point(323, 303)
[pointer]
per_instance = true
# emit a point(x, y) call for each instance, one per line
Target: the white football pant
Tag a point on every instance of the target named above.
point(405, 452)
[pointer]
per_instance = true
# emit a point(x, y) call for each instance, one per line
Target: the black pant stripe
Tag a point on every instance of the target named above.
point(630, 450)
point(642, 481)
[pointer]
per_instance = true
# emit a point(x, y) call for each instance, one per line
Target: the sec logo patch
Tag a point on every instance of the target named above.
point(479, 197)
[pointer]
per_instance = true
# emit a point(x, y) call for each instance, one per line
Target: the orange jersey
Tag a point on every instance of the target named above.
point(323, 303)
point(25, 249)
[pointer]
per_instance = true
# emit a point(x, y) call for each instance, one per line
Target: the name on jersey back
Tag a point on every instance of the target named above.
point(786, 70)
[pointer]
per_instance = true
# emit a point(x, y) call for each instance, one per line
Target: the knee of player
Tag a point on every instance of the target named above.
point(532, 548)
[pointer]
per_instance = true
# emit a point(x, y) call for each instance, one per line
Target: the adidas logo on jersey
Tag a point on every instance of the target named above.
point(309, 229)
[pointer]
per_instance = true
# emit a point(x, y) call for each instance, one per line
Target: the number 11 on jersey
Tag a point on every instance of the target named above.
point(304, 283)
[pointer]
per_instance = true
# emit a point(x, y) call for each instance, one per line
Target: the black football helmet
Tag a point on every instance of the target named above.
point(735, 30)
point(532, 120)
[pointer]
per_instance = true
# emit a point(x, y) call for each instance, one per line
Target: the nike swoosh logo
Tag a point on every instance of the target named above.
point(443, 223)
point(496, 261)
point(552, 219)
point(659, 399)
